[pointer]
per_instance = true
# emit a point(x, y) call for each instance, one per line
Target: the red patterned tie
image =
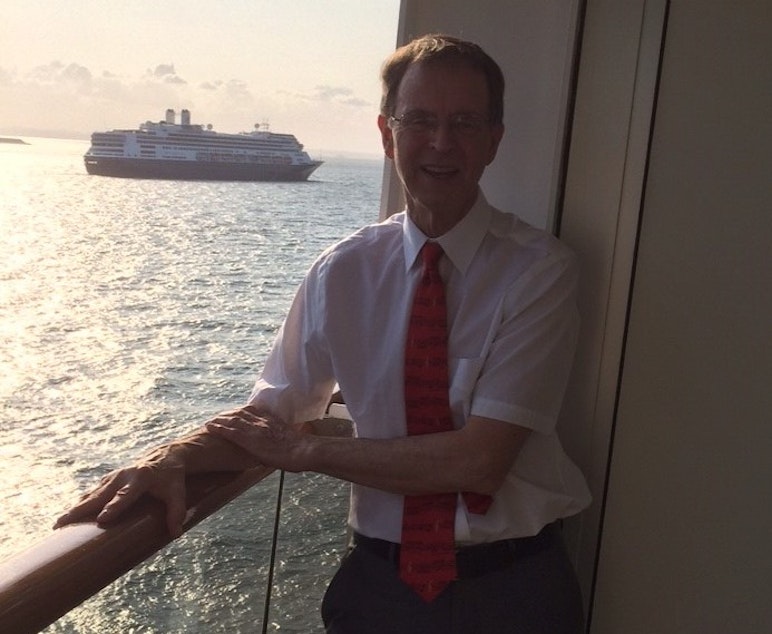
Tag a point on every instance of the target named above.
point(427, 556)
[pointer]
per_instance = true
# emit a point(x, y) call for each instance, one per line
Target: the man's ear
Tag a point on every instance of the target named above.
point(387, 136)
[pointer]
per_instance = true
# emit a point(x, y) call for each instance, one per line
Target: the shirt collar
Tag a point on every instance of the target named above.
point(460, 243)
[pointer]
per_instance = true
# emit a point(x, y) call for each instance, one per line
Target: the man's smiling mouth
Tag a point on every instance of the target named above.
point(439, 171)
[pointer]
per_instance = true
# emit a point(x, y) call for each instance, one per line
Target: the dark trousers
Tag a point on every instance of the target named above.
point(537, 593)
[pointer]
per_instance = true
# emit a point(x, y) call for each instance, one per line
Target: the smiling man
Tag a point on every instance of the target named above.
point(439, 126)
point(450, 329)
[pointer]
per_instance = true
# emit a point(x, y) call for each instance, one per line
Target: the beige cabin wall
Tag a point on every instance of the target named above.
point(684, 541)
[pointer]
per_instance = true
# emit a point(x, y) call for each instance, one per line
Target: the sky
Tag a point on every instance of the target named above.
point(307, 67)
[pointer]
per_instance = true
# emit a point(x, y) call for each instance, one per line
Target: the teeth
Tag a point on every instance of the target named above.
point(434, 169)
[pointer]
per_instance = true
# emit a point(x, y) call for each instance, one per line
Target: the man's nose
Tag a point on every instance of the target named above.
point(443, 135)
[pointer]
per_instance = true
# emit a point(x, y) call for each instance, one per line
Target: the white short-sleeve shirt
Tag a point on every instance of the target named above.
point(512, 323)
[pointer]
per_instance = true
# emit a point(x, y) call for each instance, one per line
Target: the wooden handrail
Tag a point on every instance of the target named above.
point(46, 581)
point(43, 583)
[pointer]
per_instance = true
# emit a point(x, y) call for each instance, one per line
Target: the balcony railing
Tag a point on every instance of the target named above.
point(46, 581)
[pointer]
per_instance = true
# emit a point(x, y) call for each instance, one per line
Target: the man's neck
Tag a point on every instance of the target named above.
point(434, 223)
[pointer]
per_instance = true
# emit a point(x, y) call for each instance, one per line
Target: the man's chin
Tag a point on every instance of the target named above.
point(448, 199)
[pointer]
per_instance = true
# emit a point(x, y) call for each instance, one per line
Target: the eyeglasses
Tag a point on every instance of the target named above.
point(424, 124)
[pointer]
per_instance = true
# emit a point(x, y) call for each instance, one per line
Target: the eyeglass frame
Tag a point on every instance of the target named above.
point(463, 124)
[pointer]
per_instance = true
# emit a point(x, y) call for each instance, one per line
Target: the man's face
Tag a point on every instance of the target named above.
point(440, 141)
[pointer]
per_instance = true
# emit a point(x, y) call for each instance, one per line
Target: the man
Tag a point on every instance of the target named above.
point(485, 477)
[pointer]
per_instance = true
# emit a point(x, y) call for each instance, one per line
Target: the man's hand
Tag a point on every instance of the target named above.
point(161, 474)
point(160, 477)
point(273, 442)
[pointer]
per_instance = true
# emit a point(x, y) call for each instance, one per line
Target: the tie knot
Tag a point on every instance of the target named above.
point(431, 254)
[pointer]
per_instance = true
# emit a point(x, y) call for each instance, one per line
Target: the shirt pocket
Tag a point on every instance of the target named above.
point(464, 372)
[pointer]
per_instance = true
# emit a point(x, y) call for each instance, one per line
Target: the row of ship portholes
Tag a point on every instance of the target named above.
point(224, 157)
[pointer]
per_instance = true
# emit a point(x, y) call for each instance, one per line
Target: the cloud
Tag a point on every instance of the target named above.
point(166, 74)
point(356, 102)
point(88, 99)
point(332, 95)
point(77, 74)
point(162, 70)
point(237, 89)
point(328, 93)
point(6, 77)
point(56, 72)
point(232, 99)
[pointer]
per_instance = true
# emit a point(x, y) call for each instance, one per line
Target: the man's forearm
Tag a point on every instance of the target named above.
point(475, 459)
point(402, 465)
point(201, 452)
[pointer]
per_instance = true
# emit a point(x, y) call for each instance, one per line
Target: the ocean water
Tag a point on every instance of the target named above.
point(130, 312)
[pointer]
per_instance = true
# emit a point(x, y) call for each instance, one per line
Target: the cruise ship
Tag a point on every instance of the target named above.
point(185, 151)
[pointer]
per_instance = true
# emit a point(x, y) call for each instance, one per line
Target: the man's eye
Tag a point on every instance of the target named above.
point(465, 125)
point(420, 123)
point(468, 125)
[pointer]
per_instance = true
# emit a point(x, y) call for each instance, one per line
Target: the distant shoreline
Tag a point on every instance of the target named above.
point(5, 139)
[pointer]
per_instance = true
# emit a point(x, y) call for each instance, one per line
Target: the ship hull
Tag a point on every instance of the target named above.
point(196, 170)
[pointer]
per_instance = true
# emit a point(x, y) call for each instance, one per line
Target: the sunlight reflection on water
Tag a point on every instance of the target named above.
point(130, 311)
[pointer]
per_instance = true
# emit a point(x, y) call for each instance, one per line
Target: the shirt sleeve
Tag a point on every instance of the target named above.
point(526, 368)
point(297, 379)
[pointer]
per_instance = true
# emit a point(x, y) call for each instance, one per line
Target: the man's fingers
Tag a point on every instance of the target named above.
point(117, 491)
point(251, 414)
point(123, 498)
point(76, 513)
point(176, 510)
point(109, 502)
point(239, 432)
point(240, 422)
point(239, 419)
point(89, 505)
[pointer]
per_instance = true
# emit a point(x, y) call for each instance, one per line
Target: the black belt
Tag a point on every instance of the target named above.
point(476, 560)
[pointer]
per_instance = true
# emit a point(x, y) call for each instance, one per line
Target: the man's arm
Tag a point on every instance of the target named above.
point(161, 474)
point(475, 458)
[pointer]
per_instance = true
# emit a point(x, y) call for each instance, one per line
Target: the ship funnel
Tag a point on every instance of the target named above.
point(185, 117)
point(170, 116)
